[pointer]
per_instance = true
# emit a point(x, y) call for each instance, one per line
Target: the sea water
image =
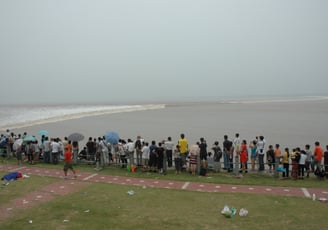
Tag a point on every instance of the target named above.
point(19, 116)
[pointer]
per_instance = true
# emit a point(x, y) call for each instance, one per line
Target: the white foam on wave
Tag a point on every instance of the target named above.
point(25, 117)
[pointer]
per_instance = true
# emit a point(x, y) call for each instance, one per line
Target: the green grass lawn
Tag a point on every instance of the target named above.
point(108, 206)
point(217, 178)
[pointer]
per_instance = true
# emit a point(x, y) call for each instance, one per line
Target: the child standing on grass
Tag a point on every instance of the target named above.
point(68, 162)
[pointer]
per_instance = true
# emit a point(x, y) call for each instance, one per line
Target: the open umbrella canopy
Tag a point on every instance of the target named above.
point(29, 138)
point(43, 132)
point(112, 137)
point(75, 137)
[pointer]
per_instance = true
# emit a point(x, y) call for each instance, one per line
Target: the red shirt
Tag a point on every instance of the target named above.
point(318, 152)
point(68, 157)
point(243, 154)
point(69, 147)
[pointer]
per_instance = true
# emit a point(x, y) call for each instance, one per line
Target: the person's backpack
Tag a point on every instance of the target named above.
point(203, 171)
point(320, 172)
point(217, 154)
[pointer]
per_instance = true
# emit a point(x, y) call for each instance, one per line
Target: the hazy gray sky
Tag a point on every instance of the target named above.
point(106, 50)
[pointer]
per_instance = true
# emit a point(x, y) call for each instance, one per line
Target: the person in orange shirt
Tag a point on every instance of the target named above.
point(277, 155)
point(68, 162)
point(318, 154)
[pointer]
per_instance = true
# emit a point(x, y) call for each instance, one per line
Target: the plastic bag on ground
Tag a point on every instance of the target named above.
point(243, 212)
point(228, 212)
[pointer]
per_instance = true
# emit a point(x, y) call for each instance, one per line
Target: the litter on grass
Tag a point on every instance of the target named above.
point(228, 212)
point(243, 212)
point(323, 200)
point(131, 192)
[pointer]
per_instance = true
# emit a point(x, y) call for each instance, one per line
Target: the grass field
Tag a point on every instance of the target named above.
point(108, 206)
point(217, 178)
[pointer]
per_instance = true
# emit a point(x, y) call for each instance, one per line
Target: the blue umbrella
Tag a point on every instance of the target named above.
point(43, 132)
point(112, 137)
point(29, 138)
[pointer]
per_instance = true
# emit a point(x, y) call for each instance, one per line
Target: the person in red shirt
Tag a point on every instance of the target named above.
point(318, 154)
point(243, 155)
point(68, 162)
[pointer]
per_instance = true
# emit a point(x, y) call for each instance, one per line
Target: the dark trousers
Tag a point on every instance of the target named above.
point(178, 164)
point(169, 158)
point(286, 167)
point(55, 158)
point(46, 157)
point(124, 161)
point(301, 169)
point(261, 162)
point(30, 157)
point(230, 169)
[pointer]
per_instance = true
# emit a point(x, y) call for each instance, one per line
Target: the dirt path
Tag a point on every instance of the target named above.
point(65, 187)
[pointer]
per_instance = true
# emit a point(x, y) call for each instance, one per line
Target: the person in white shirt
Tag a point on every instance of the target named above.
point(104, 154)
point(145, 156)
point(47, 149)
point(169, 145)
point(55, 148)
point(260, 152)
point(130, 147)
point(236, 147)
point(301, 165)
point(123, 150)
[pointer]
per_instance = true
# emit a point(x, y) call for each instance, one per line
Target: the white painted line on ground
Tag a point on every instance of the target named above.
point(89, 177)
point(306, 192)
point(17, 169)
point(185, 185)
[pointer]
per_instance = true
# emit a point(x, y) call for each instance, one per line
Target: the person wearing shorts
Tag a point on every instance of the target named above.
point(68, 162)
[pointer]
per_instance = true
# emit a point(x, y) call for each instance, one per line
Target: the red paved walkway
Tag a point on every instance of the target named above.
point(192, 186)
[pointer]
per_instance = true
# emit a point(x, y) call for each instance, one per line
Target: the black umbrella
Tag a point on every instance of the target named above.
point(75, 137)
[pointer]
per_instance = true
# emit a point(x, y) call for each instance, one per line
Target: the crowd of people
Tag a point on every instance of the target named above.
point(235, 155)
